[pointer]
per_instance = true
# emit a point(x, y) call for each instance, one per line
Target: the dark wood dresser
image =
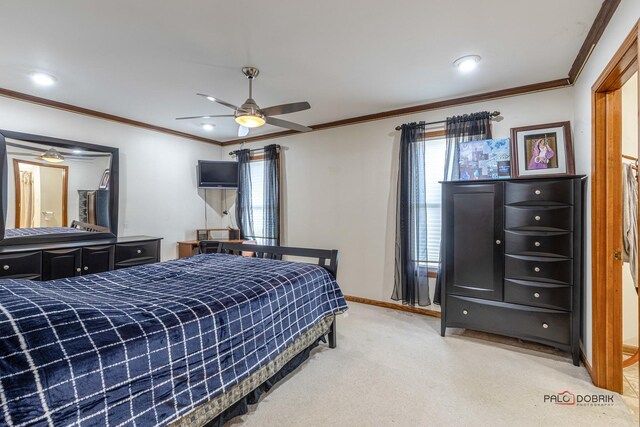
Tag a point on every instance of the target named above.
point(513, 258)
point(48, 261)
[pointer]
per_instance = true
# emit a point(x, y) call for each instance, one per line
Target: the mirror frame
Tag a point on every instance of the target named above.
point(68, 144)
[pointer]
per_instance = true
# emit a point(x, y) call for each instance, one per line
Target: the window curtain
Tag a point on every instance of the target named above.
point(244, 210)
point(411, 282)
point(469, 127)
point(271, 194)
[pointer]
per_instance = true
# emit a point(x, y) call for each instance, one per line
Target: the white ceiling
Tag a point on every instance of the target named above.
point(145, 59)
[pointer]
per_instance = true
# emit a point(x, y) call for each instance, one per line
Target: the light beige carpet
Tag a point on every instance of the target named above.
point(394, 369)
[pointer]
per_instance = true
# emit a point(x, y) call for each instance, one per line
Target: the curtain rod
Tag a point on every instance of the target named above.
point(231, 153)
point(494, 114)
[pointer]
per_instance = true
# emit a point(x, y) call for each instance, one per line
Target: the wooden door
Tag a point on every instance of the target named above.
point(606, 215)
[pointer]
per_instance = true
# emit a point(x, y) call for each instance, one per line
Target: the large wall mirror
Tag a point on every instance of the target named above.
point(57, 190)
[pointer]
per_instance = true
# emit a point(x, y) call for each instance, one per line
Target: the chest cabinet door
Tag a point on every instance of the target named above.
point(473, 226)
point(61, 263)
point(96, 259)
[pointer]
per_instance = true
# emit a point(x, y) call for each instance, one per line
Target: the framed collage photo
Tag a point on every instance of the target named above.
point(484, 159)
point(542, 150)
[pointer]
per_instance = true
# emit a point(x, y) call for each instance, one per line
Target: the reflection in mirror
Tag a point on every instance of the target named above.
point(41, 194)
point(55, 187)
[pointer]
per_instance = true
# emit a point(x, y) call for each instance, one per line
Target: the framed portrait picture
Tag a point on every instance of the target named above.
point(484, 159)
point(104, 182)
point(542, 150)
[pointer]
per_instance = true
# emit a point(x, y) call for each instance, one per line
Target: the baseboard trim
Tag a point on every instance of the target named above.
point(407, 308)
point(587, 366)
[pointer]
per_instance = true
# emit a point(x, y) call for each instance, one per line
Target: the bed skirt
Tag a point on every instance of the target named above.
point(234, 401)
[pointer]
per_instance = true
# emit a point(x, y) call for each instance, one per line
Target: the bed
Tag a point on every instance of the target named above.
point(177, 342)
point(77, 228)
point(41, 231)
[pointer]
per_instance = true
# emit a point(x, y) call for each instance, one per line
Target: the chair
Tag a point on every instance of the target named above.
point(209, 246)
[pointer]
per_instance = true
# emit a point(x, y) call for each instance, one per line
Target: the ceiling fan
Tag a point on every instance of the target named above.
point(249, 115)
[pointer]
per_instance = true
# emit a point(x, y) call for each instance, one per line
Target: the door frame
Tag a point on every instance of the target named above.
point(606, 214)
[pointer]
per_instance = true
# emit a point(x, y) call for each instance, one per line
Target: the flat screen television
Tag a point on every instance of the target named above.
point(217, 174)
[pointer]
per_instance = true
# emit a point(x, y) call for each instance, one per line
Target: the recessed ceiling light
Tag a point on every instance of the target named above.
point(467, 63)
point(76, 151)
point(42, 79)
point(208, 127)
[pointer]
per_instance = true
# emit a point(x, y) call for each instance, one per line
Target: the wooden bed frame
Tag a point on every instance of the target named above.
point(326, 258)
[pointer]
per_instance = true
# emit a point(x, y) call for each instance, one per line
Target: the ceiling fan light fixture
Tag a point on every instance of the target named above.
point(52, 156)
point(250, 120)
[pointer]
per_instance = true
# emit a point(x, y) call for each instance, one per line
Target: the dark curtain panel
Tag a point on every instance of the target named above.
point(271, 196)
point(244, 214)
point(411, 281)
point(468, 127)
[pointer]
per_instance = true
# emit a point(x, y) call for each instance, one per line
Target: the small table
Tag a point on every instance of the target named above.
point(189, 248)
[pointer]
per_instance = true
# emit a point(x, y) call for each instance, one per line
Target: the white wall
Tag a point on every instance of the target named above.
point(619, 27)
point(340, 185)
point(158, 194)
point(630, 148)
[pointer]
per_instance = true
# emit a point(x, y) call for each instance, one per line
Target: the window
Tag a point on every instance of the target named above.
point(257, 200)
point(434, 153)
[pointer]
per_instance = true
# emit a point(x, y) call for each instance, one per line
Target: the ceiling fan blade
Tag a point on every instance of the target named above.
point(288, 125)
point(203, 117)
point(219, 101)
point(285, 108)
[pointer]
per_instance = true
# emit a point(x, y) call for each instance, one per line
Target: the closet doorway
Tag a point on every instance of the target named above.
point(607, 213)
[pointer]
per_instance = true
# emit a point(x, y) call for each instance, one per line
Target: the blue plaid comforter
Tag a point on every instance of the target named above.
point(145, 345)
point(41, 231)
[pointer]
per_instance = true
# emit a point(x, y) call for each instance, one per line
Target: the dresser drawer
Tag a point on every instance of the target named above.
point(552, 270)
point(531, 323)
point(540, 192)
point(136, 253)
point(538, 218)
point(552, 244)
point(538, 294)
point(26, 265)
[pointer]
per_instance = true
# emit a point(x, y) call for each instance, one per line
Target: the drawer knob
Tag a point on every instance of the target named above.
point(538, 192)
point(5, 267)
point(536, 295)
point(537, 244)
point(139, 251)
point(545, 325)
point(498, 242)
point(537, 217)
point(85, 268)
point(465, 312)
point(536, 269)
point(78, 269)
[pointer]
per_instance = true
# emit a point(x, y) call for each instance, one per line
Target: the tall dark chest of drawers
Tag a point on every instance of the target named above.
point(513, 258)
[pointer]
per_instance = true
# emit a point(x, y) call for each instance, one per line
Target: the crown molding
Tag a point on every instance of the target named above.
point(7, 93)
